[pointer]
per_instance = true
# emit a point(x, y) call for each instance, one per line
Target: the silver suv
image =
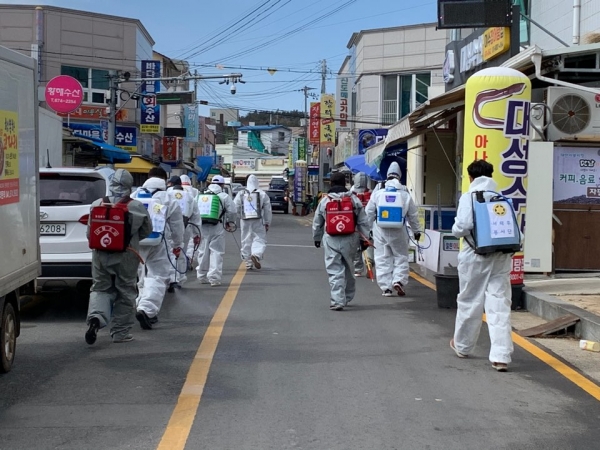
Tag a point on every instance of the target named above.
point(66, 195)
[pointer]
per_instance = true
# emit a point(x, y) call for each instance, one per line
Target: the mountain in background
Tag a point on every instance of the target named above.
point(285, 118)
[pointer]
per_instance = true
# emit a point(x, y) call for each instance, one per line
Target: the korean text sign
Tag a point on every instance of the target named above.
point(497, 106)
point(314, 131)
point(150, 121)
point(344, 99)
point(9, 157)
point(64, 94)
point(327, 120)
point(576, 175)
point(170, 147)
point(190, 122)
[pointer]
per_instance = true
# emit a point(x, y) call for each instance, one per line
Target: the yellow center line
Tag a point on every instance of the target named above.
point(565, 370)
point(182, 418)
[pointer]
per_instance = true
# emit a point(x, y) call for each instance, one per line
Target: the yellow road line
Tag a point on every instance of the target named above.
point(182, 418)
point(566, 371)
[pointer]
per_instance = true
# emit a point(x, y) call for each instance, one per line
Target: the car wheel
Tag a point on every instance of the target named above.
point(8, 338)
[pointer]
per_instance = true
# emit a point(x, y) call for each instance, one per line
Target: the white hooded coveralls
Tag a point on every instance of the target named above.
point(154, 276)
point(359, 187)
point(254, 234)
point(193, 228)
point(391, 244)
point(484, 286)
point(212, 246)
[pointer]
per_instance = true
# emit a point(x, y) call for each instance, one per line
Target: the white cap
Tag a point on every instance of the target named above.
point(218, 179)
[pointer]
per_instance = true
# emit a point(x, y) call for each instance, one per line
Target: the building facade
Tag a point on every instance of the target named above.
point(271, 139)
point(85, 46)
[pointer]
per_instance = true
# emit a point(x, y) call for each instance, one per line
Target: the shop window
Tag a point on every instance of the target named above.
point(95, 83)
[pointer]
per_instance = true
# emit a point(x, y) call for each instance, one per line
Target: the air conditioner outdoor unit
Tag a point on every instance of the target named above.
point(574, 114)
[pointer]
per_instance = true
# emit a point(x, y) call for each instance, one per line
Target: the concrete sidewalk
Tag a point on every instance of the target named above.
point(558, 295)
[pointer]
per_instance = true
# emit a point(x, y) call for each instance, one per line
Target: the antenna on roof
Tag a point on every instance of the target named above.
point(48, 166)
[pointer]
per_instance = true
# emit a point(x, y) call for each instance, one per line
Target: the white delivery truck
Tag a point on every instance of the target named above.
point(19, 182)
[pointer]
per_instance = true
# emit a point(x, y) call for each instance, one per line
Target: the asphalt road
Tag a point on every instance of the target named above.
point(287, 372)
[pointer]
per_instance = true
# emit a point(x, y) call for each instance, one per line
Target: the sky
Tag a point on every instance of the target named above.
point(251, 36)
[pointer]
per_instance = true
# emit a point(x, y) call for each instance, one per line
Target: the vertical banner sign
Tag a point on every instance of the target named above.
point(497, 105)
point(327, 120)
point(300, 179)
point(169, 153)
point(314, 131)
point(190, 122)
point(150, 122)
point(9, 157)
point(302, 149)
point(343, 98)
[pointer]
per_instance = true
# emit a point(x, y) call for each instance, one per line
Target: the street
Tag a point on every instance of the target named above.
point(286, 373)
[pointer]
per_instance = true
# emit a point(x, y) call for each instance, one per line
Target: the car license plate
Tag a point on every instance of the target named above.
point(53, 229)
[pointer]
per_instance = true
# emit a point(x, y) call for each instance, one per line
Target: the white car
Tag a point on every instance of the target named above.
point(66, 195)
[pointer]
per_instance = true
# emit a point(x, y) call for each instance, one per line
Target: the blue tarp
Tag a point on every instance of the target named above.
point(113, 154)
point(204, 164)
point(357, 164)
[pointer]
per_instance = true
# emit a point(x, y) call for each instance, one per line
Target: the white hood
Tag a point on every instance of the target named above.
point(252, 184)
point(394, 183)
point(155, 184)
point(483, 184)
point(394, 168)
point(185, 180)
point(214, 188)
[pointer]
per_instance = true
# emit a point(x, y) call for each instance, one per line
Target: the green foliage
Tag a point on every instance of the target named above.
point(285, 118)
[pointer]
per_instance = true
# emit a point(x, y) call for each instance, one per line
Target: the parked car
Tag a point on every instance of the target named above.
point(279, 200)
point(66, 195)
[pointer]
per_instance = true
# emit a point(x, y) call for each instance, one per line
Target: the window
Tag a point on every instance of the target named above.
point(281, 136)
point(95, 83)
point(401, 94)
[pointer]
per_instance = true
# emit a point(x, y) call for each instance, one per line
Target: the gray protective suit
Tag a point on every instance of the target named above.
point(340, 250)
point(254, 231)
point(391, 245)
point(154, 276)
point(212, 246)
point(115, 274)
point(359, 187)
point(484, 285)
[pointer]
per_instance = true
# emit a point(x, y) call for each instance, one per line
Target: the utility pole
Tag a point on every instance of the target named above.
point(323, 76)
point(322, 157)
point(112, 115)
point(305, 89)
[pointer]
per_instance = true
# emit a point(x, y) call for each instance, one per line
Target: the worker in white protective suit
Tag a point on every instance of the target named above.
point(212, 247)
point(340, 249)
point(112, 296)
point(391, 240)
point(359, 187)
point(484, 281)
point(186, 182)
point(254, 207)
point(192, 223)
point(155, 274)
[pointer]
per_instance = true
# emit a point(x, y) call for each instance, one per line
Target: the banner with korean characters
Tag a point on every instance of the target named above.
point(327, 120)
point(150, 120)
point(169, 150)
point(9, 157)
point(344, 99)
point(125, 137)
point(577, 175)
point(314, 131)
point(190, 122)
point(497, 106)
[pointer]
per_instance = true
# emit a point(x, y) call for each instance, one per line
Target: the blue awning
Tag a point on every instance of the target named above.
point(113, 154)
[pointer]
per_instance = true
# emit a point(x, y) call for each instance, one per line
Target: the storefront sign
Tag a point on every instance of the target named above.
point(314, 131)
point(496, 41)
point(497, 107)
point(302, 149)
point(300, 181)
point(9, 157)
point(244, 164)
point(96, 113)
point(150, 120)
point(169, 151)
point(344, 100)
point(576, 175)
point(64, 94)
point(190, 122)
point(125, 137)
point(368, 138)
point(327, 120)
point(484, 48)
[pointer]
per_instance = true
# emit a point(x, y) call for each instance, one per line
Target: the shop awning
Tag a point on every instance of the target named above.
point(137, 165)
point(112, 153)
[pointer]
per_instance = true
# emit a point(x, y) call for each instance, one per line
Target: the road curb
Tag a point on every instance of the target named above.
point(549, 307)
